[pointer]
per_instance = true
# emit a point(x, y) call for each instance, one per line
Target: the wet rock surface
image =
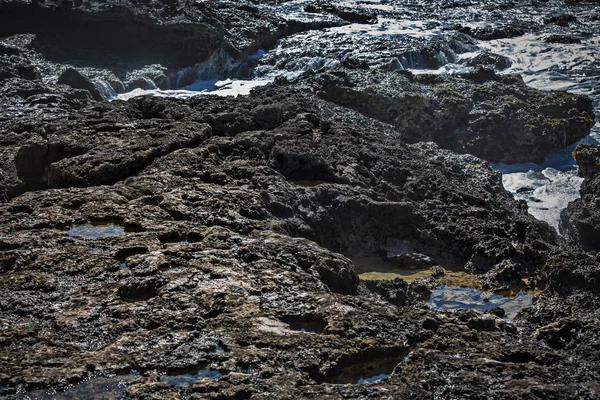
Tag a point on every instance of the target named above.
point(202, 248)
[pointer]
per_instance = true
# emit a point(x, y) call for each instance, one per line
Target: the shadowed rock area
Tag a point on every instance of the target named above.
point(494, 117)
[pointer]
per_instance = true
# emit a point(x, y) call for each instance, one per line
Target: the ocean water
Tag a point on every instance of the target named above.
point(225, 87)
point(547, 188)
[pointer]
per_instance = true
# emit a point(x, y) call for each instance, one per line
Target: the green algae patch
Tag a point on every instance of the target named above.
point(377, 269)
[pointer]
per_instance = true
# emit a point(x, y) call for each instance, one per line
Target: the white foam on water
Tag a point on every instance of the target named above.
point(227, 87)
point(574, 67)
point(450, 68)
point(105, 88)
point(547, 188)
point(552, 66)
point(547, 192)
point(391, 27)
point(550, 187)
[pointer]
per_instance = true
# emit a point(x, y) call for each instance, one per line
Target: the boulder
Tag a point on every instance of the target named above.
point(76, 80)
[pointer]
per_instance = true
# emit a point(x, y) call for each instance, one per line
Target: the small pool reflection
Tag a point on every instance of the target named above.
point(96, 231)
point(373, 378)
point(460, 298)
point(184, 380)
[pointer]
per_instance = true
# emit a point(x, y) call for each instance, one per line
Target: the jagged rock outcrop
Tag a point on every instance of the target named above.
point(495, 117)
point(580, 221)
point(175, 34)
point(76, 80)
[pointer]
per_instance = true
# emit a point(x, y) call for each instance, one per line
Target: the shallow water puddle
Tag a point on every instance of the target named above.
point(460, 298)
point(366, 372)
point(218, 350)
point(373, 378)
point(106, 388)
point(184, 380)
point(92, 231)
point(173, 271)
point(305, 323)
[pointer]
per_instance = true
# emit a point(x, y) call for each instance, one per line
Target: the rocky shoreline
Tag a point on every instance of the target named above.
point(209, 247)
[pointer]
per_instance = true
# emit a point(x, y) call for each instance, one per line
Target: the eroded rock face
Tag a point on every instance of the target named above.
point(126, 45)
point(76, 80)
point(350, 189)
point(175, 34)
point(497, 118)
point(580, 221)
point(345, 13)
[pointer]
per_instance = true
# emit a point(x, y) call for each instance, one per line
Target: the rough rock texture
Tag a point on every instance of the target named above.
point(76, 80)
point(497, 118)
point(175, 33)
point(580, 221)
point(489, 60)
point(203, 248)
point(213, 269)
point(178, 38)
point(357, 196)
point(346, 13)
point(295, 54)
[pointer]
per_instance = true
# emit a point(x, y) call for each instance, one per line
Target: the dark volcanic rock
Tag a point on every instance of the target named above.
point(588, 160)
point(209, 38)
point(345, 13)
point(214, 221)
point(497, 118)
point(580, 221)
point(496, 32)
point(573, 272)
point(202, 248)
point(394, 291)
point(314, 50)
point(165, 32)
point(76, 80)
point(490, 60)
point(560, 19)
point(563, 39)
